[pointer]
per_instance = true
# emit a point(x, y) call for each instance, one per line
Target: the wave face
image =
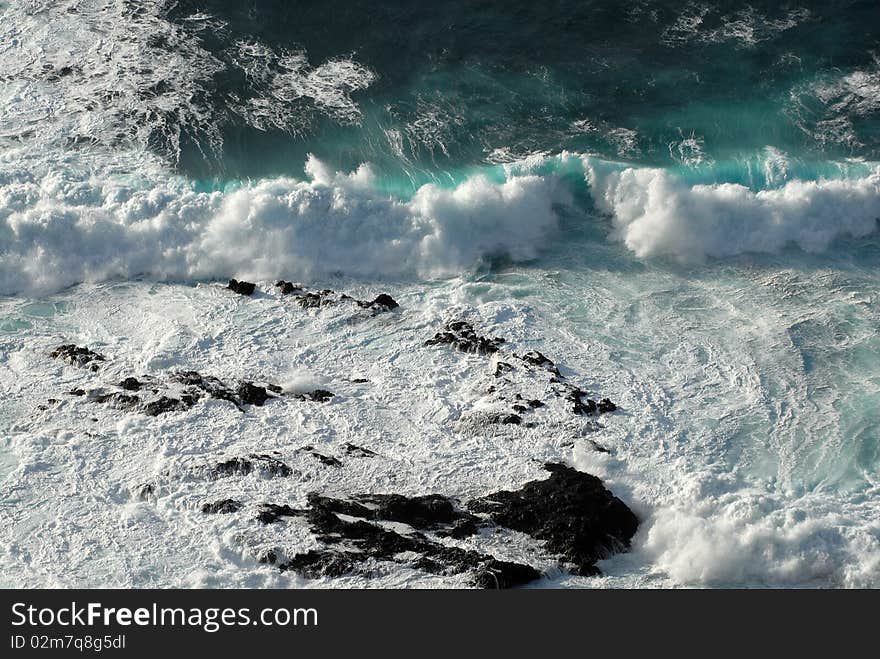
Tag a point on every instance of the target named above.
point(140, 138)
point(679, 199)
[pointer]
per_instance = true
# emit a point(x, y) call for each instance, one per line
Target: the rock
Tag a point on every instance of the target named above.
point(265, 465)
point(271, 513)
point(357, 451)
point(222, 506)
point(495, 574)
point(348, 544)
point(605, 406)
point(118, 401)
point(130, 384)
point(382, 302)
point(328, 460)
point(76, 356)
point(421, 512)
point(241, 287)
point(535, 403)
point(250, 394)
point(316, 564)
point(504, 418)
point(288, 288)
point(535, 358)
point(501, 368)
point(315, 300)
point(269, 558)
point(166, 404)
point(77, 392)
point(461, 335)
point(360, 380)
point(581, 406)
point(460, 529)
point(146, 492)
point(326, 297)
point(572, 512)
point(317, 396)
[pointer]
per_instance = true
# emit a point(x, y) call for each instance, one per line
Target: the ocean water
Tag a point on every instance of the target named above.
point(676, 202)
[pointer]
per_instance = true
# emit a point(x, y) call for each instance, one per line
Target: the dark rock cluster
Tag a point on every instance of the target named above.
point(350, 544)
point(316, 396)
point(327, 460)
point(76, 356)
point(582, 405)
point(263, 464)
point(573, 512)
point(163, 397)
point(575, 516)
point(222, 506)
point(241, 287)
point(462, 336)
point(535, 358)
point(326, 297)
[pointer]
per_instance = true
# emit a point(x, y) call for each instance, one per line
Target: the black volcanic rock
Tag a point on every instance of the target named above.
point(241, 287)
point(76, 356)
point(504, 418)
point(462, 336)
point(166, 404)
point(222, 506)
point(326, 297)
point(605, 406)
point(350, 543)
point(265, 465)
point(130, 384)
point(382, 302)
point(421, 512)
point(358, 451)
point(119, 401)
point(315, 564)
point(251, 394)
point(572, 512)
point(288, 288)
point(495, 574)
point(536, 358)
point(317, 396)
point(271, 513)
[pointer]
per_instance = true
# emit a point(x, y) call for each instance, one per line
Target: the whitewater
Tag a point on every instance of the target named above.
point(717, 278)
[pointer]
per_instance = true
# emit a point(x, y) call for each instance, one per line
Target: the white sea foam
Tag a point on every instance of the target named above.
point(656, 213)
point(57, 231)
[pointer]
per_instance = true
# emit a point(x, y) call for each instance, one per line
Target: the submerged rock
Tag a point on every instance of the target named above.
point(222, 506)
point(358, 451)
point(462, 336)
point(118, 401)
point(572, 512)
point(271, 513)
point(263, 464)
point(317, 396)
point(504, 418)
point(241, 287)
point(536, 358)
point(76, 356)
